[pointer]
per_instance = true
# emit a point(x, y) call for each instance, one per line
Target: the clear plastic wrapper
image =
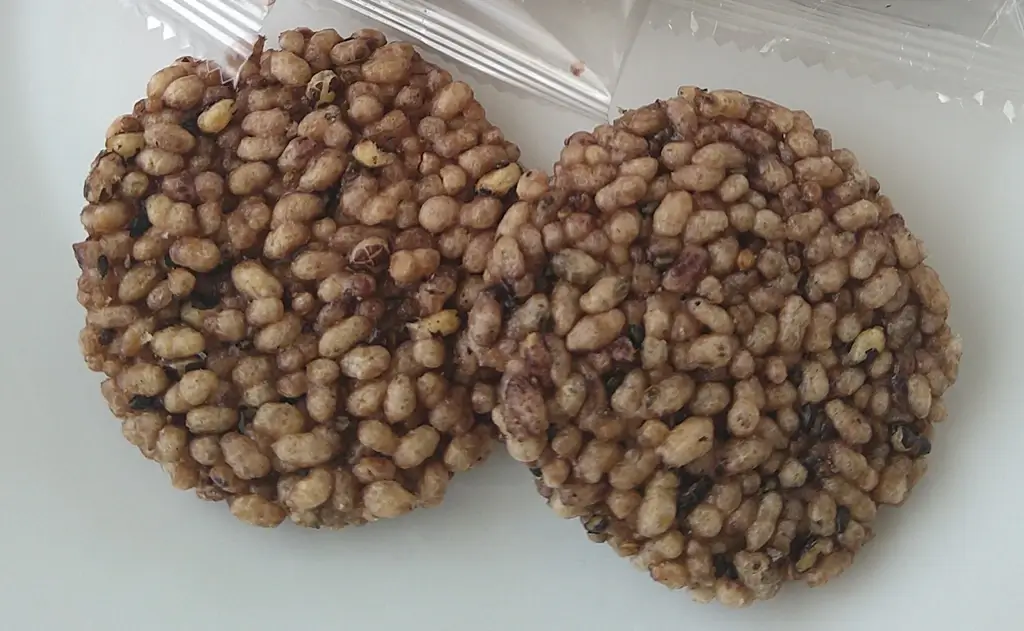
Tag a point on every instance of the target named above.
point(572, 52)
point(567, 51)
point(223, 31)
point(964, 50)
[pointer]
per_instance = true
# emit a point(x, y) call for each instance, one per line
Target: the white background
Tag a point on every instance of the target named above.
point(93, 537)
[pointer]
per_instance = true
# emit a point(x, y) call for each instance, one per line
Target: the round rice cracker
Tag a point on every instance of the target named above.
point(273, 276)
point(738, 353)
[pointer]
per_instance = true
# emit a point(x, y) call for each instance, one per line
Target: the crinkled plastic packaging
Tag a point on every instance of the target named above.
point(572, 52)
point(223, 31)
point(965, 51)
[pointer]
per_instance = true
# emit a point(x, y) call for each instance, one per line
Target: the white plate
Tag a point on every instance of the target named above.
point(93, 537)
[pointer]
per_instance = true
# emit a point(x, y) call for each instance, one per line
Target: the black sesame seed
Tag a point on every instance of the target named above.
point(377, 337)
point(139, 402)
point(722, 433)
point(815, 424)
point(841, 348)
point(198, 364)
point(245, 416)
point(814, 465)
point(674, 419)
point(692, 491)
point(331, 197)
point(659, 140)
point(750, 241)
point(842, 519)
point(614, 380)
point(808, 413)
point(191, 124)
point(724, 567)
point(905, 439)
point(205, 296)
point(801, 544)
point(103, 265)
point(636, 335)
point(171, 373)
point(803, 284)
point(546, 280)
point(139, 225)
point(827, 430)
point(924, 446)
point(596, 525)
point(547, 325)
point(721, 565)
point(902, 437)
point(508, 299)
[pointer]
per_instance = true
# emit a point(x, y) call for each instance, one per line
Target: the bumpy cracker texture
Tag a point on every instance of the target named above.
point(272, 276)
point(737, 353)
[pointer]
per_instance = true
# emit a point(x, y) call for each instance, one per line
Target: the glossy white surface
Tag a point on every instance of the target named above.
point(93, 537)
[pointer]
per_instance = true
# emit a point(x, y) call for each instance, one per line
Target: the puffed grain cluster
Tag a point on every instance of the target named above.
point(735, 354)
point(273, 274)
